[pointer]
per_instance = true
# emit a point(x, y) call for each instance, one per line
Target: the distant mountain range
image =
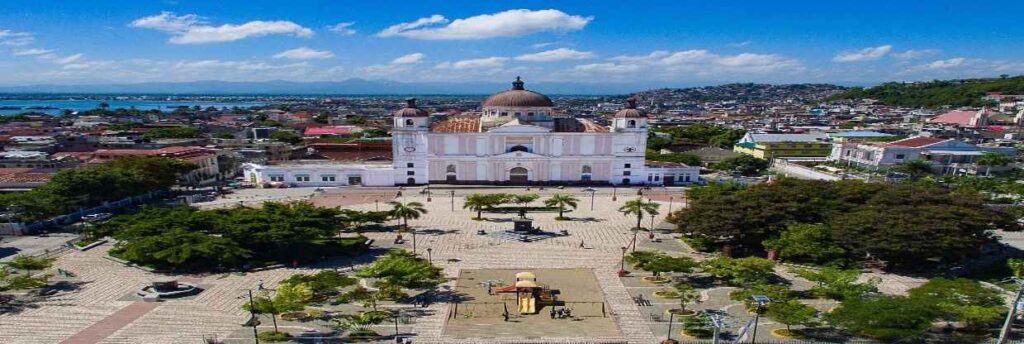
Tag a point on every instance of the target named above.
point(345, 87)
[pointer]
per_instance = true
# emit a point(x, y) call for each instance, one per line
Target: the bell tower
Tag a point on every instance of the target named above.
point(409, 144)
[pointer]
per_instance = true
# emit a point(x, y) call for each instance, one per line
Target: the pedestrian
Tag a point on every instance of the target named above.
point(581, 244)
point(259, 285)
point(552, 312)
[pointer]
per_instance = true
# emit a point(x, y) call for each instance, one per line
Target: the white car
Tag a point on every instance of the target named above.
point(97, 217)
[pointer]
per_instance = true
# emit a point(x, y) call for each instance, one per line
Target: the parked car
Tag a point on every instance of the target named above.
point(98, 217)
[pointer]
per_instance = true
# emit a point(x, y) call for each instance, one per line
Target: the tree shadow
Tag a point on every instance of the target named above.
point(437, 232)
point(587, 219)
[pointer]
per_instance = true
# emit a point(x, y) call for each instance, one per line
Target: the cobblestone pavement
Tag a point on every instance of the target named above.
point(102, 309)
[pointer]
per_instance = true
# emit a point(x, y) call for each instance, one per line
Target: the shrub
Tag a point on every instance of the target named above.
point(271, 336)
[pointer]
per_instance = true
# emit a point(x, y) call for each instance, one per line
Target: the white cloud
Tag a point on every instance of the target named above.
point(31, 52)
point(304, 53)
point(344, 29)
point(15, 39)
point(739, 44)
point(866, 54)
point(509, 23)
point(556, 55)
point(611, 68)
point(942, 65)
point(542, 45)
point(660, 64)
point(191, 29)
point(913, 54)
point(409, 59)
point(487, 62)
point(69, 59)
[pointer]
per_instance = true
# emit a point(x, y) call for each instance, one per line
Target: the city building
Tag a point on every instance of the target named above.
point(770, 146)
point(944, 154)
point(516, 139)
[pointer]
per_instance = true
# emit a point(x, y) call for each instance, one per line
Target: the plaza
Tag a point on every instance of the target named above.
point(99, 307)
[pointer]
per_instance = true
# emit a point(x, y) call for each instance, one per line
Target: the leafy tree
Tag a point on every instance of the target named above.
point(292, 297)
point(808, 244)
point(263, 304)
point(477, 202)
point(639, 207)
point(172, 133)
point(406, 211)
point(669, 264)
point(687, 294)
point(562, 202)
point(889, 318)
point(775, 292)
point(322, 284)
point(740, 271)
point(744, 164)
point(30, 263)
point(990, 159)
point(838, 284)
point(286, 136)
point(790, 313)
point(641, 258)
point(698, 326)
point(524, 201)
point(1017, 266)
point(403, 269)
point(937, 93)
point(961, 299)
point(915, 168)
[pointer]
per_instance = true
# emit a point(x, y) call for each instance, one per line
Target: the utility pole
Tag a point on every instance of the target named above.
point(1004, 333)
point(252, 314)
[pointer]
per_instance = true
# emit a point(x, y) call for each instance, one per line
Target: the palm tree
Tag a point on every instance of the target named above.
point(562, 202)
point(915, 168)
point(639, 207)
point(406, 211)
point(477, 203)
point(990, 159)
point(523, 201)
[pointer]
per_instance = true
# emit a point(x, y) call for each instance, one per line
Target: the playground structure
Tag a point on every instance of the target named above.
point(530, 296)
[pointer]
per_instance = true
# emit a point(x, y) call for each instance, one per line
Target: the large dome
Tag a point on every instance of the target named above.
point(518, 97)
point(630, 111)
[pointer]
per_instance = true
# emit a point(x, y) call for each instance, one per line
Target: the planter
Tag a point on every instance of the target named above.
point(91, 245)
point(655, 279)
point(666, 294)
point(783, 333)
point(680, 313)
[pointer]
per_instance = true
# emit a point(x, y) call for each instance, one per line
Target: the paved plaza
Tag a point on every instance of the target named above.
point(99, 305)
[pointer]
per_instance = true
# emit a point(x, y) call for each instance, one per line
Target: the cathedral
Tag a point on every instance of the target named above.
point(515, 139)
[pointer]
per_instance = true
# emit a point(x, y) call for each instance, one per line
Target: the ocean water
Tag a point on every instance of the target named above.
point(54, 107)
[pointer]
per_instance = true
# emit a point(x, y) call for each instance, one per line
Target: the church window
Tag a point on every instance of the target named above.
point(503, 113)
point(450, 169)
point(410, 165)
point(631, 124)
point(627, 165)
point(529, 114)
point(626, 173)
point(410, 173)
point(587, 169)
point(408, 122)
point(519, 148)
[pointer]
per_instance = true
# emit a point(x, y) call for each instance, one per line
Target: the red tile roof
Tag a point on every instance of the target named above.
point(467, 124)
point(960, 117)
point(915, 142)
point(335, 130)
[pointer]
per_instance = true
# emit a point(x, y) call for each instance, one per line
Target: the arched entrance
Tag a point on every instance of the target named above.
point(518, 175)
point(411, 181)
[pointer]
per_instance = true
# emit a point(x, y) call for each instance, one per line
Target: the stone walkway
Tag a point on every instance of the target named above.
point(111, 324)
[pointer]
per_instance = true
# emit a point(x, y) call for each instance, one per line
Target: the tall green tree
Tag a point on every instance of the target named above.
point(889, 318)
point(562, 202)
point(807, 243)
point(977, 306)
point(524, 201)
point(406, 211)
point(837, 284)
point(990, 159)
point(915, 168)
point(639, 208)
point(790, 313)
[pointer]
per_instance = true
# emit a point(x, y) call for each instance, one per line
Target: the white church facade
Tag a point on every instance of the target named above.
point(517, 139)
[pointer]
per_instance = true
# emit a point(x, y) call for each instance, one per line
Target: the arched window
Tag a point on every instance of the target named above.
point(586, 169)
point(519, 148)
point(450, 169)
point(631, 124)
point(408, 122)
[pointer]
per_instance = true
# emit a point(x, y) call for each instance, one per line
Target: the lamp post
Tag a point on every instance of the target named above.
point(428, 194)
point(718, 324)
point(398, 313)
point(592, 192)
point(252, 315)
point(668, 337)
point(670, 204)
point(761, 300)
point(622, 262)
point(376, 205)
point(453, 200)
point(430, 259)
point(614, 198)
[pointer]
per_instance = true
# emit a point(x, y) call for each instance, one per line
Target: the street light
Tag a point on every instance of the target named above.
point(430, 259)
point(453, 200)
point(614, 198)
point(252, 316)
point(718, 323)
point(592, 192)
point(761, 300)
point(622, 264)
point(428, 194)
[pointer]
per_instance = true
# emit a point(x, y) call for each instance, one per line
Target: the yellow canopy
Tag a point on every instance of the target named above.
point(526, 276)
point(526, 284)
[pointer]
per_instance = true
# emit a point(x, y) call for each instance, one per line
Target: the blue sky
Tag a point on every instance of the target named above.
point(655, 43)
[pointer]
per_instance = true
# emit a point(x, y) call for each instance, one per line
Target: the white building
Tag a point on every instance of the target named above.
point(516, 139)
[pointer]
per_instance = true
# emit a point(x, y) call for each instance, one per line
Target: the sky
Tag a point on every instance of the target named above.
point(666, 43)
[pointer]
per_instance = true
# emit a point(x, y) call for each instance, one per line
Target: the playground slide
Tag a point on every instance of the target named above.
point(526, 305)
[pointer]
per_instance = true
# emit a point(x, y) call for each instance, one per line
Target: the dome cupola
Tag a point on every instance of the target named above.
point(630, 111)
point(410, 109)
point(518, 96)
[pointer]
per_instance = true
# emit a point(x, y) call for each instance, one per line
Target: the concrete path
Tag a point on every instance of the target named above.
point(113, 323)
